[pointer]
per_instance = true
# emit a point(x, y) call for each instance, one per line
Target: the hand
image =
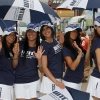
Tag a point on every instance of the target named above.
point(0, 44)
point(39, 53)
point(61, 37)
point(60, 84)
point(76, 46)
point(16, 50)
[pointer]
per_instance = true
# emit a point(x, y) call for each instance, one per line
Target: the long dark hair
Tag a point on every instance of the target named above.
point(6, 48)
point(26, 44)
point(96, 35)
point(41, 30)
point(68, 44)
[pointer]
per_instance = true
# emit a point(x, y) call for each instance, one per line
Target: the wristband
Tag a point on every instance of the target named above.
point(14, 58)
point(79, 56)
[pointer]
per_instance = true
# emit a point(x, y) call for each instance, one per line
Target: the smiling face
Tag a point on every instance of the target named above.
point(47, 32)
point(31, 35)
point(11, 38)
point(73, 35)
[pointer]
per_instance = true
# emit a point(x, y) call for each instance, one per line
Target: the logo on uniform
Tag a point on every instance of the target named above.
point(75, 2)
point(29, 54)
point(57, 48)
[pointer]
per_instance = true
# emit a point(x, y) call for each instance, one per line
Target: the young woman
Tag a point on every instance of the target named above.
point(74, 57)
point(94, 80)
point(27, 57)
point(52, 63)
point(6, 69)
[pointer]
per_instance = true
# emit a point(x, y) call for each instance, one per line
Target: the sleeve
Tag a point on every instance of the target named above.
point(45, 47)
point(66, 52)
point(96, 44)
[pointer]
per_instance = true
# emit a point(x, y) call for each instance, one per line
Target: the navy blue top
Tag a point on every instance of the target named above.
point(95, 45)
point(54, 57)
point(70, 75)
point(6, 70)
point(26, 71)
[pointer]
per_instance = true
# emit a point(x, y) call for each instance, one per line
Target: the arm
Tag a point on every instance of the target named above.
point(87, 56)
point(49, 74)
point(73, 64)
point(38, 55)
point(46, 70)
point(40, 65)
point(61, 38)
point(97, 52)
point(16, 55)
point(15, 61)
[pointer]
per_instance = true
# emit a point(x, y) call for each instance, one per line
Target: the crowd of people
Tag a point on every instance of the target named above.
point(20, 61)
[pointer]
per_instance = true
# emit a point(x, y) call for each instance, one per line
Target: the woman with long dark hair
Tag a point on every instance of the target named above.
point(52, 62)
point(6, 69)
point(27, 59)
point(74, 57)
point(94, 80)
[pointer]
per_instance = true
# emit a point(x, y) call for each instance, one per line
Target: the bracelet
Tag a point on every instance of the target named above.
point(14, 58)
point(39, 65)
point(79, 56)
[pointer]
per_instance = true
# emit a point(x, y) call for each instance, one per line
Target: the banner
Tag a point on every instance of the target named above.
point(67, 94)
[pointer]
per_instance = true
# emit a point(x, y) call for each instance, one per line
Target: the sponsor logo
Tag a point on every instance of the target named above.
point(57, 48)
point(19, 12)
point(26, 3)
point(57, 1)
point(75, 2)
point(53, 87)
point(32, 4)
point(29, 54)
point(58, 96)
point(29, 4)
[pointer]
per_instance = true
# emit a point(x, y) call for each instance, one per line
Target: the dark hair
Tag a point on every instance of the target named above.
point(96, 35)
point(41, 30)
point(6, 48)
point(26, 44)
point(67, 43)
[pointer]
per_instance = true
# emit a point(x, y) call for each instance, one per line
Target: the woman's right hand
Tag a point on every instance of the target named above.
point(77, 47)
point(0, 44)
point(16, 49)
point(60, 84)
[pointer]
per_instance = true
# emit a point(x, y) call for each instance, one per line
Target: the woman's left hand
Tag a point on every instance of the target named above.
point(61, 37)
point(39, 52)
point(90, 41)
